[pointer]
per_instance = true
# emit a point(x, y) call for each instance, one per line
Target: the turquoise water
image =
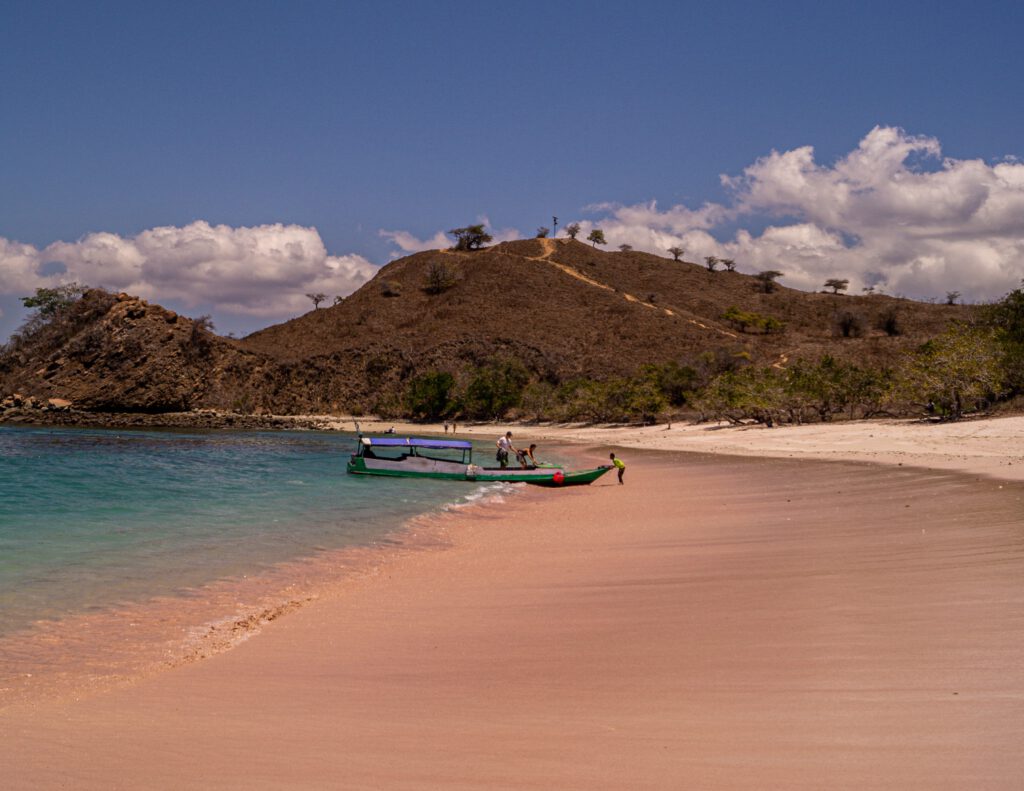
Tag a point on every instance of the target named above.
point(93, 518)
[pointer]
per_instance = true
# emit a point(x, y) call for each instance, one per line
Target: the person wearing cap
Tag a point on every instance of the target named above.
point(504, 446)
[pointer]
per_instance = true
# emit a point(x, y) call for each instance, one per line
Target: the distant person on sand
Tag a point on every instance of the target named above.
point(504, 446)
point(526, 458)
point(446, 427)
point(619, 464)
point(454, 426)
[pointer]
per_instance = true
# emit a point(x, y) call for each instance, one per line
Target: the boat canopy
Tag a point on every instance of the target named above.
point(415, 442)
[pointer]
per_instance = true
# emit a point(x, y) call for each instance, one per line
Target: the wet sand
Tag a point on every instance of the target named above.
point(716, 623)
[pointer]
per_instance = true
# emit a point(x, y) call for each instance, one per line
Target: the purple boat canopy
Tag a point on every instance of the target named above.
point(416, 442)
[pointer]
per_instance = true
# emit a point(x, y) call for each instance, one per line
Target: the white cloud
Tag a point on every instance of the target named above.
point(892, 213)
point(262, 271)
point(407, 243)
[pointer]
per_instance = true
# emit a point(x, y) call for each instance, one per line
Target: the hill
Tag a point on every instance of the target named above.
point(559, 309)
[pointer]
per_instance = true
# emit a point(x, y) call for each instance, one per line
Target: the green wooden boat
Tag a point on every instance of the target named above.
point(414, 457)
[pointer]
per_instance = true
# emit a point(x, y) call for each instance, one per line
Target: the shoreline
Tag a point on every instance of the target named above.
point(718, 623)
point(88, 653)
point(990, 446)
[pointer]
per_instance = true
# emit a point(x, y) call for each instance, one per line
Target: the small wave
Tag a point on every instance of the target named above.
point(489, 493)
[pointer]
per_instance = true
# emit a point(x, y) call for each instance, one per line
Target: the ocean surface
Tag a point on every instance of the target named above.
point(92, 520)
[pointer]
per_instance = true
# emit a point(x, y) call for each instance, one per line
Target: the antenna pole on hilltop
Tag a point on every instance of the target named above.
point(554, 226)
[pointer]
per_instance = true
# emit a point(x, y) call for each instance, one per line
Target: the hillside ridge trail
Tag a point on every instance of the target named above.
point(550, 246)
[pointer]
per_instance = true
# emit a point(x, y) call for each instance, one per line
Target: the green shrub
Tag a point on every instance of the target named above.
point(494, 389)
point(429, 396)
point(744, 320)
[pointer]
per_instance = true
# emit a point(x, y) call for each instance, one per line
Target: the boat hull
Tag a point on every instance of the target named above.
point(455, 471)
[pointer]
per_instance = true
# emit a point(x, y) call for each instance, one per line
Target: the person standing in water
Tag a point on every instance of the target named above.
point(620, 465)
point(504, 447)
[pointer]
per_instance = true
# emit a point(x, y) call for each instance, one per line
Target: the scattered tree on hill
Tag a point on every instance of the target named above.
point(339, 299)
point(952, 297)
point(49, 305)
point(849, 325)
point(572, 229)
point(317, 299)
point(676, 252)
point(542, 232)
point(440, 278)
point(47, 302)
point(889, 322)
point(837, 284)
point(766, 280)
point(711, 262)
point(596, 237)
point(391, 288)
point(625, 248)
point(728, 263)
point(472, 237)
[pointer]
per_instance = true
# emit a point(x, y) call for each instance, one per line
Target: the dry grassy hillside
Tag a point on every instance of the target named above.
point(560, 308)
point(564, 307)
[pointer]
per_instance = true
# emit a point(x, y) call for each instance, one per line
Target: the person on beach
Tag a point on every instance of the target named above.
point(446, 427)
point(504, 446)
point(620, 465)
point(526, 458)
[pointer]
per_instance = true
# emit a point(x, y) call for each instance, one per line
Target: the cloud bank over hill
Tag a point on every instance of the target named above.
point(264, 270)
point(892, 213)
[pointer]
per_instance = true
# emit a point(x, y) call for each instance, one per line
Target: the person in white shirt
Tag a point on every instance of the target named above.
point(504, 447)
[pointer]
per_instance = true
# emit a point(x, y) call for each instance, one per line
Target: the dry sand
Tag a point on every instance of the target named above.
point(717, 623)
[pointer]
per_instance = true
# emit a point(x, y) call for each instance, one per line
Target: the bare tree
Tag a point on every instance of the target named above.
point(317, 299)
point(572, 229)
point(542, 232)
point(676, 252)
point(625, 248)
point(952, 297)
point(728, 263)
point(711, 262)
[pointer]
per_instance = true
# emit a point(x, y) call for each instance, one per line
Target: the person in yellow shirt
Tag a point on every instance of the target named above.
point(619, 464)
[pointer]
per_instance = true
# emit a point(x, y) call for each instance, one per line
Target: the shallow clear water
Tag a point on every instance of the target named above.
point(92, 518)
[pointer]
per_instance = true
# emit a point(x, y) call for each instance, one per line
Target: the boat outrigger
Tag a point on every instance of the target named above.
point(413, 457)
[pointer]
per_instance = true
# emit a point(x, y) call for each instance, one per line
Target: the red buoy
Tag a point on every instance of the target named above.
point(558, 477)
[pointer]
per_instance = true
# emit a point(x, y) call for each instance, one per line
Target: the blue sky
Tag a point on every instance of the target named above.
point(357, 118)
